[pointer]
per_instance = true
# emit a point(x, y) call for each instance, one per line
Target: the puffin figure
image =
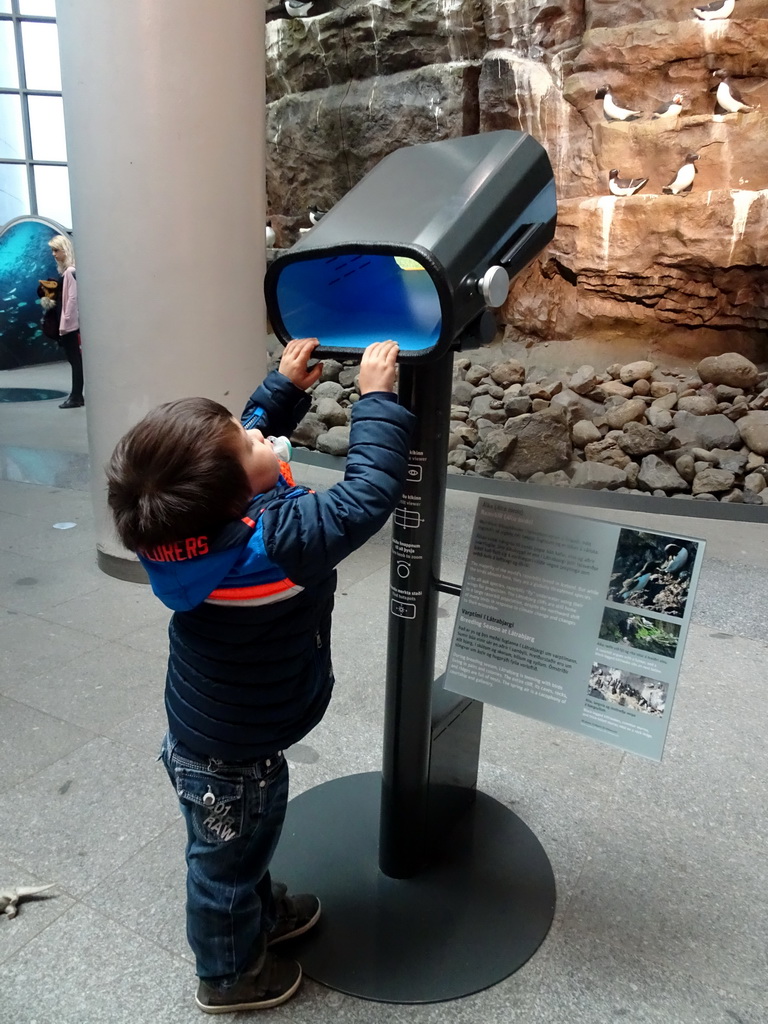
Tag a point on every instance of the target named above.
point(316, 214)
point(684, 178)
point(298, 8)
point(669, 109)
point(640, 584)
point(270, 235)
point(624, 186)
point(612, 110)
point(729, 99)
point(677, 556)
point(716, 11)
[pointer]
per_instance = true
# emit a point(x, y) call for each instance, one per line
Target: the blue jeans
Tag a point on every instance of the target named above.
point(234, 814)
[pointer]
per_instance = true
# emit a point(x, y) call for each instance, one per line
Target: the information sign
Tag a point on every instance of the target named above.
point(574, 621)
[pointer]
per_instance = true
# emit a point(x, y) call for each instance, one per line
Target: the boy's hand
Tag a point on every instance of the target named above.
point(378, 367)
point(293, 363)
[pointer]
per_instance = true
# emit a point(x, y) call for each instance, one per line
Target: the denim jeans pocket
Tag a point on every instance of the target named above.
point(215, 803)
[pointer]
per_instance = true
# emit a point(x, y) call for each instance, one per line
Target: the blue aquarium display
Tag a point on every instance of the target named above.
point(25, 259)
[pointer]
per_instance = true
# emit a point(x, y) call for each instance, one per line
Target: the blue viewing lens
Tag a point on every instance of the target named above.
point(351, 300)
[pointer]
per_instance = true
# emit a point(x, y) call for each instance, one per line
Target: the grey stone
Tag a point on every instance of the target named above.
point(633, 409)
point(584, 432)
point(754, 482)
point(334, 442)
point(685, 466)
point(485, 407)
point(712, 481)
point(613, 388)
point(660, 388)
point(509, 372)
point(543, 443)
point(331, 413)
point(642, 387)
point(735, 496)
point(328, 389)
point(348, 376)
point(730, 368)
point(753, 429)
point(584, 380)
point(539, 404)
point(557, 479)
point(666, 401)
point(726, 458)
point(608, 452)
point(516, 405)
point(699, 405)
point(462, 392)
point(580, 408)
point(308, 431)
point(659, 418)
point(656, 474)
point(494, 447)
point(598, 475)
point(476, 373)
point(630, 372)
point(715, 431)
point(330, 371)
point(544, 389)
point(639, 439)
point(724, 393)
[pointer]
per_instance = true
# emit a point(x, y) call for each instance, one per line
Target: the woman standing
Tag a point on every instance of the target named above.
point(69, 324)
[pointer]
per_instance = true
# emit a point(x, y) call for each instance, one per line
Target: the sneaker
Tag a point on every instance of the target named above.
point(274, 984)
point(295, 915)
point(72, 403)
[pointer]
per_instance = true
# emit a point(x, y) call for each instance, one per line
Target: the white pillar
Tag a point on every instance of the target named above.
point(164, 113)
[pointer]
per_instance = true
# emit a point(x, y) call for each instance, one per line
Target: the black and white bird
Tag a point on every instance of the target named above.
point(624, 186)
point(716, 11)
point(298, 8)
point(612, 110)
point(683, 180)
point(270, 235)
point(316, 214)
point(669, 109)
point(729, 99)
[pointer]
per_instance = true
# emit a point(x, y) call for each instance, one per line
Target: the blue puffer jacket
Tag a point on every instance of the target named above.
point(249, 671)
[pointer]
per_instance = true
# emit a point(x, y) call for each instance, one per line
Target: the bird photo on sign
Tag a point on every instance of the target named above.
point(652, 571)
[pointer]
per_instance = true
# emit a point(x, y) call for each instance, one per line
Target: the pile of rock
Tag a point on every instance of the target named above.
point(634, 428)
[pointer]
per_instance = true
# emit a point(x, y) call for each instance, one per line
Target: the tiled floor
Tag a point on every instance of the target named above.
point(662, 913)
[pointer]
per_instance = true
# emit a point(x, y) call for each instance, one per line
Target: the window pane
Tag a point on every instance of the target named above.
point(46, 123)
point(5, 6)
point(41, 55)
point(11, 132)
point(44, 8)
point(9, 75)
point(52, 187)
point(14, 193)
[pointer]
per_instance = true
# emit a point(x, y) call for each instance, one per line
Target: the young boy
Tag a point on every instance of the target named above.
point(246, 560)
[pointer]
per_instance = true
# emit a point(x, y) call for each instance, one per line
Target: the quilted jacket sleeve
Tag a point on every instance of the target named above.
point(310, 535)
point(276, 406)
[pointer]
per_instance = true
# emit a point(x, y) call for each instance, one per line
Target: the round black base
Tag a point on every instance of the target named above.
point(462, 925)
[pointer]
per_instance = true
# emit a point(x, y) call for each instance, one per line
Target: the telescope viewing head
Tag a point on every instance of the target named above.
point(419, 250)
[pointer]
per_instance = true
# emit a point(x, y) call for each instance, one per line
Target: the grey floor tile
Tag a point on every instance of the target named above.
point(86, 969)
point(37, 538)
point(98, 689)
point(33, 587)
point(114, 610)
point(34, 915)
point(55, 503)
point(31, 646)
point(147, 893)
point(31, 740)
point(152, 639)
point(143, 731)
point(76, 821)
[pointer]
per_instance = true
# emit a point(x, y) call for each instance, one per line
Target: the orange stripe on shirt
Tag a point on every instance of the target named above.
point(242, 593)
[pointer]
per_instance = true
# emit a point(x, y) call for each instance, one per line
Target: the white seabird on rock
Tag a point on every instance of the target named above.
point(298, 8)
point(624, 186)
point(729, 99)
point(669, 109)
point(316, 214)
point(716, 11)
point(612, 110)
point(684, 177)
point(270, 235)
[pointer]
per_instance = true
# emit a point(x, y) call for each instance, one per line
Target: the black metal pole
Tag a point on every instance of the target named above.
point(414, 576)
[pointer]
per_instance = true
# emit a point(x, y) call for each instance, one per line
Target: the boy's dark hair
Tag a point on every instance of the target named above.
point(176, 474)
